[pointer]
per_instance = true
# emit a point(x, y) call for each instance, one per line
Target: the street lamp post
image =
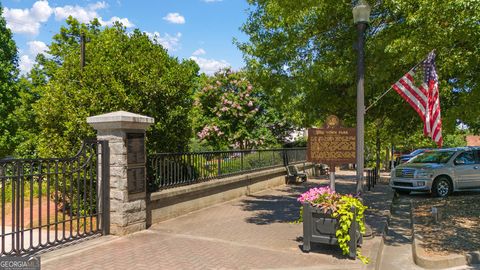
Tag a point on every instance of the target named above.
point(361, 16)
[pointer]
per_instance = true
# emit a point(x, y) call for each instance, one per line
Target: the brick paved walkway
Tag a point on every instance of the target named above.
point(253, 232)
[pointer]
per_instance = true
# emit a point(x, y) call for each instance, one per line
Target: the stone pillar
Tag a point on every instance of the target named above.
point(125, 133)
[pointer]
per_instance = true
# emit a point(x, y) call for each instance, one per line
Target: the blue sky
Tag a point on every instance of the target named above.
point(199, 29)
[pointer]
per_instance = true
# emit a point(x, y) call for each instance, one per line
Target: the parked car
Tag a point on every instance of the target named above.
point(439, 171)
point(404, 158)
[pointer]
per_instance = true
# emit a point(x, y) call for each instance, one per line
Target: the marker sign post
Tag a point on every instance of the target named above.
point(332, 145)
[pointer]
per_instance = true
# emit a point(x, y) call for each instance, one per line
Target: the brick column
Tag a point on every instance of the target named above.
point(125, 133)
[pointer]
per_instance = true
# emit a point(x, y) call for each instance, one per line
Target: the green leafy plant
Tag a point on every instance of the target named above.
point(341, 207)
point(345, 216)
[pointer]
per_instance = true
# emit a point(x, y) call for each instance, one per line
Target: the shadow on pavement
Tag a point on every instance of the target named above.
point(269, 209)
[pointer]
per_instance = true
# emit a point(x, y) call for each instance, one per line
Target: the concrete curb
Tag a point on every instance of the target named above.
point(421, 258)
point(376, 258)
point(378, 261)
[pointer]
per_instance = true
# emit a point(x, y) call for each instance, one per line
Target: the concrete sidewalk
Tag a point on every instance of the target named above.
point(252, 232)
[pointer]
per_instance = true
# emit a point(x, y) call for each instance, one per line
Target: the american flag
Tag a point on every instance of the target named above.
point(425, 98)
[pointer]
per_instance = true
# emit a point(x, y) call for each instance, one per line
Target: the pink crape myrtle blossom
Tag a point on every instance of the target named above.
point(204, 133)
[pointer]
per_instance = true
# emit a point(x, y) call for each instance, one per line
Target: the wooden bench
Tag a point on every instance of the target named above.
point(293, 175)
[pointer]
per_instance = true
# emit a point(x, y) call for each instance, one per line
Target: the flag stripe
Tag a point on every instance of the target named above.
point(410, 75)
point(419, 110)
point(416, 102)
point(420, 91)
point(414, 93)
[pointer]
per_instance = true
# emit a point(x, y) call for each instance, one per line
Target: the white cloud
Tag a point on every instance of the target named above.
point(36, 47)
point(125, 22)
point(175, 18)
point(28, 21)
point(25, 64)
point(82, 14)
point(199, 52)
point(88, 13)
point(98, 5)
point(171, 43)
point(27, 60)
point(210, 66)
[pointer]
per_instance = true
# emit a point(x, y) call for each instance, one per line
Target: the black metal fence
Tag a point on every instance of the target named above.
point(46, 202)
point(175, 169)
point(372, 177)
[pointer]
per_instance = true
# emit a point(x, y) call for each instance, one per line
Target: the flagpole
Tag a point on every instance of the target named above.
point(386, 92)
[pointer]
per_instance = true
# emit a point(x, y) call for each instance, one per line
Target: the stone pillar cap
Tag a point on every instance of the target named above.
point(120, 120)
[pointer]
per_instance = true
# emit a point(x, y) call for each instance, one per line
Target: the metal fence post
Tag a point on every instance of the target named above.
point(18, 192)
point(242, 154)
point(219, 164)
point(105, 188)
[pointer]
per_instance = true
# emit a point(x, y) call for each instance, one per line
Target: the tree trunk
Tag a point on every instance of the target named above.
point(387, 158)
point(378, 144)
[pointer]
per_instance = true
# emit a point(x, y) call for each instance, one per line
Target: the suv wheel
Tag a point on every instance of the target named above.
point(441, 187)
point(402, 191)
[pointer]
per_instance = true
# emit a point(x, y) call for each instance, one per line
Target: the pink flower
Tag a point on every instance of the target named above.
point(218, 83)
point(314, 193)
point(250, 104)
point(204, 133)
point(224, 109)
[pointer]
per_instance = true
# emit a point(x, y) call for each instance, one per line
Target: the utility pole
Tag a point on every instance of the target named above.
point(82, 50)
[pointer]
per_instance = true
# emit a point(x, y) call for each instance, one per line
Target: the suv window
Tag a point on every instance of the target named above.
point(433, 157)
point(477, 154)
point(467, 157)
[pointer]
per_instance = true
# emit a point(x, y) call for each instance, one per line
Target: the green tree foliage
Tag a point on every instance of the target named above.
point(230, 112)
point(124, 71)
point(8, 88)
point(303, 52)
point(27, 131)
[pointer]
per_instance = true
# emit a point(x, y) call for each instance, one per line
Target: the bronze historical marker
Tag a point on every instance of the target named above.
point(136, 162)
point(332, 145)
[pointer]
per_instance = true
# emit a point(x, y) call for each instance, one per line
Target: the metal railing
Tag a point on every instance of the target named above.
point(47, 202)
point(372, 177)
point(167, 170)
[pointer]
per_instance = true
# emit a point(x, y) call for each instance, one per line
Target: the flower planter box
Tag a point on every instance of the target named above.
point(319, 227)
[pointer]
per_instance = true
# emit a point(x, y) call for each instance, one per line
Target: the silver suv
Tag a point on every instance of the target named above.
point(439, 171)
